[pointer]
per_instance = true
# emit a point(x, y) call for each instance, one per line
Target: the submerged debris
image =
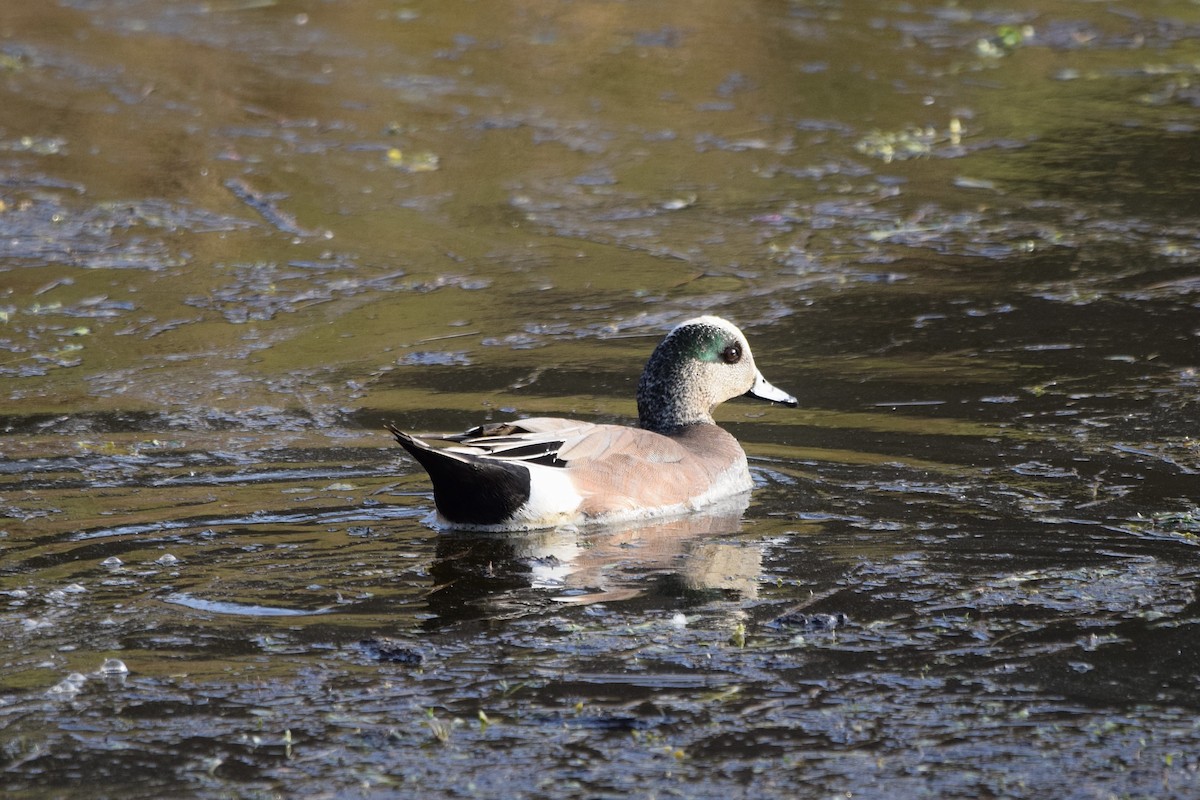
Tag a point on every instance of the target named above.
point(266, 207)
point(392, 651)
point(812, 622)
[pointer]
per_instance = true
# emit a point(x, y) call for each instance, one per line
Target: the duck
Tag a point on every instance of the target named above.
point(546, 472)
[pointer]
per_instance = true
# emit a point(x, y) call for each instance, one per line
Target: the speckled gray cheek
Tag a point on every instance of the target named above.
point(671, 391)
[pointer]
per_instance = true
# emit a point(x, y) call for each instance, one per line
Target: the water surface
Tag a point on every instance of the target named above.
point(236, 238)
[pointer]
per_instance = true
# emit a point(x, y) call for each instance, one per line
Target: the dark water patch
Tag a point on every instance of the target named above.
point(371, 513)
point(1146, 172)
point(184, 469)
point(258, 423)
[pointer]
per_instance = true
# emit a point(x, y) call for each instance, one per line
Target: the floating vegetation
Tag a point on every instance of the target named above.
point(913, 142)
point(1006, 40)
point(1184, 525)
point(12, 63)
point(1186, 521)
point(419, 161)
point(440, 729)
point(38, 145)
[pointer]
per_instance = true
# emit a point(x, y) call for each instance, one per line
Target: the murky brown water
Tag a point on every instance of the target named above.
point(237, 237)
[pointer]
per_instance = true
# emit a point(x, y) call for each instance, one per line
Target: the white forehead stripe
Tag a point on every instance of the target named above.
point(711, 321)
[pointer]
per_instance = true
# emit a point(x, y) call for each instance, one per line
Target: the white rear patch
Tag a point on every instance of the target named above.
point(552, 497)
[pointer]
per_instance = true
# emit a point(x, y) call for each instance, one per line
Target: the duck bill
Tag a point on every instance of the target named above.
point(765, 391)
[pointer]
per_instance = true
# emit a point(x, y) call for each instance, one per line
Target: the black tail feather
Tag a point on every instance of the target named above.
point(467, 489)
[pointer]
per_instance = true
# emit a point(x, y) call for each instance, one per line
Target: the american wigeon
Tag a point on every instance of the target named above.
point(546, 471)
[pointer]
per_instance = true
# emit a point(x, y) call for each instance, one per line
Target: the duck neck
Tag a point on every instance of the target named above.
point(664, 408)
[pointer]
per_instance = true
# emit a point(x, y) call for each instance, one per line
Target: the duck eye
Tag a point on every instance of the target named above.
point(732, 354)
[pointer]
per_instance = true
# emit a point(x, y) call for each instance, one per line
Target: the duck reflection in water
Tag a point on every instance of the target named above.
point(690, 558)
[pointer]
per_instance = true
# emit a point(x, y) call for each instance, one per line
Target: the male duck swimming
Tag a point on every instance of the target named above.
point(546, 471)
